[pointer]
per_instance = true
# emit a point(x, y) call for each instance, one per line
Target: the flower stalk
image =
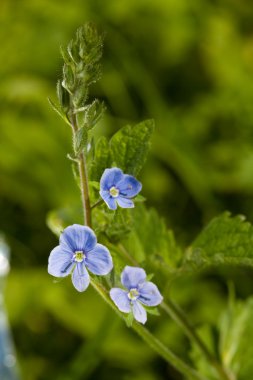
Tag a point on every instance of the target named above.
point(84, 183)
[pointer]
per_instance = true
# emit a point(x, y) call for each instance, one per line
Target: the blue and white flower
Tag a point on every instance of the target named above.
point(139, 292)
point(118, 188)
point(78, 251)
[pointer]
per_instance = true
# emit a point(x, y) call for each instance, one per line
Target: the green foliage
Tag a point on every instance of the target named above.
point(236, 333)
point(129, 146)
point(226, 240)
point(127, 149)
point(229, 341)
point(101, 159)
point(152, 242)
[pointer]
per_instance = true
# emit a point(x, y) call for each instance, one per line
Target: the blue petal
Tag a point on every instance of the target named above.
point(132, 277)
point(149, 294)
point(120, 299)
point(140, 313)
point(109, 200)
point(78, 238)
point(60, 262)
point(124, 202)
point(80, 277)
point(99, 260)
point(129, 186)
point(110, 178)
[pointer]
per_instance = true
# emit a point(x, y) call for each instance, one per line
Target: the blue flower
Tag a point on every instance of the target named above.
point(139, 291)
point(118, 188)
point(77, 251)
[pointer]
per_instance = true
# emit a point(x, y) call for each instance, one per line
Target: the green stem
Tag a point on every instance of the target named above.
point(84, 184)
point(152, 341)
point(178, 316)
point(84, 190)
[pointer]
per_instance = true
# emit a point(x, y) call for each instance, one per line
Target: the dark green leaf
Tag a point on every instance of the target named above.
point(225, 240)
point(151, 241)
point(130, 145)
point(101, 159)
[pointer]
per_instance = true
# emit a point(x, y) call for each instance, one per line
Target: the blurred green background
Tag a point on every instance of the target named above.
point(188, 65)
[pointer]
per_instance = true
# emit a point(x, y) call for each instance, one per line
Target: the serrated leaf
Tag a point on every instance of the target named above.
point(101, 159)
point(225, 240)
point(119, 226)
point(130, 145)
point(151, 240)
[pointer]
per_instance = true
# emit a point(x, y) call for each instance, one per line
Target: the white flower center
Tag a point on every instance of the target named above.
point(114, 192)
point(79, 256)
point(133, 294)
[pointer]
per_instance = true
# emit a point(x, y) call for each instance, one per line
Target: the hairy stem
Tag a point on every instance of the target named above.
point(84, 184)
point(84, 190)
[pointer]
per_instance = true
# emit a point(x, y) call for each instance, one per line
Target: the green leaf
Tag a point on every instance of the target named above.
point(236, 335)
point(208, 335)
point(101, 159)
point(80, 140)
point(225, 240)
point(230, 340)
point(130, 145)
point(58, 110)
point(152, 310)
point(129, 319)
point(63, 96)
point(93, 113)
point(151, 241)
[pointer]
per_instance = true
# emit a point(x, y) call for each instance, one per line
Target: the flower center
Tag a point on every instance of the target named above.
point(79, 256)
point(114, 192)
point(133, 294)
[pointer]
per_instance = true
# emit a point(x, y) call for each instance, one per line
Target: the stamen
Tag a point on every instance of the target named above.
point(79, 256)
point(114, 192)
point(133, 294)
